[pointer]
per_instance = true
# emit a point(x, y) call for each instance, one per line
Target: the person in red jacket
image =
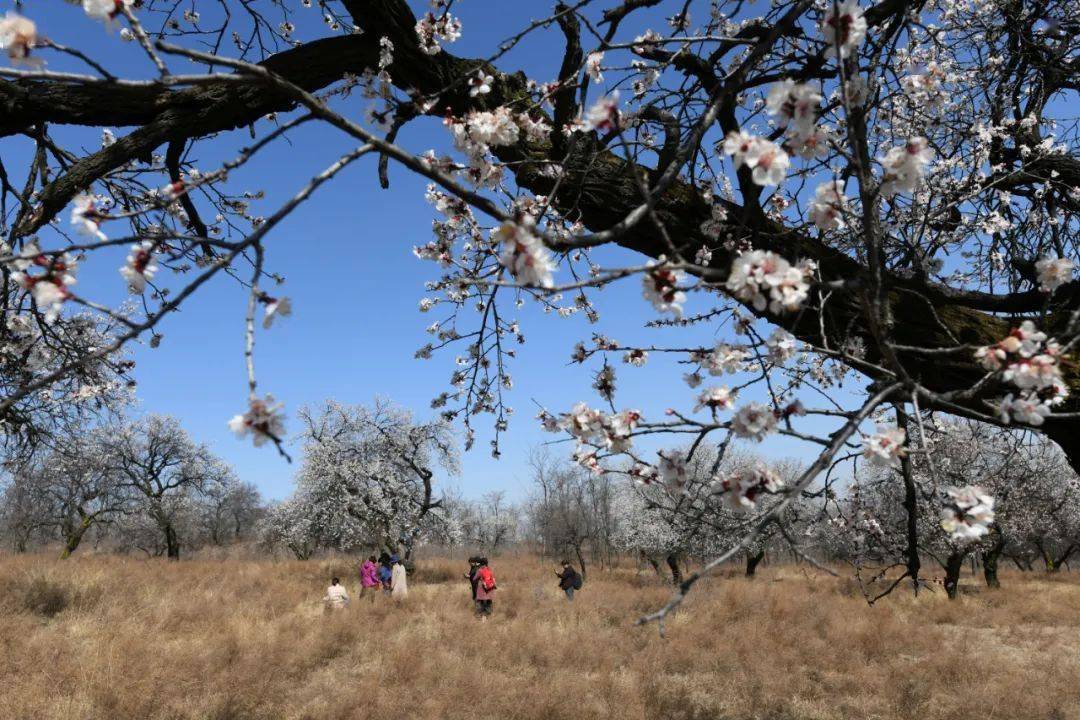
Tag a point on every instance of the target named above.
point(485, 589)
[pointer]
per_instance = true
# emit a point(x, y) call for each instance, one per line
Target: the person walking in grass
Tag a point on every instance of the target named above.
point(485, 589)
point(399, 586)
point(569, 579)
point(369, 578)
point(337, 598)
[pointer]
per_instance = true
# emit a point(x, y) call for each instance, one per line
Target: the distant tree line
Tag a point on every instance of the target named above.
point(137, 486)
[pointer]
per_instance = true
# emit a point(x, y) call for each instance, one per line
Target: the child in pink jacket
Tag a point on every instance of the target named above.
point(369, 577)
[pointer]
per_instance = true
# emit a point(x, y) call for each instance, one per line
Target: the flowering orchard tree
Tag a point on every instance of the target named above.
point(888, 187)
point(705, 517)
point(977, 490)
point(367, 478)
point(77, 486)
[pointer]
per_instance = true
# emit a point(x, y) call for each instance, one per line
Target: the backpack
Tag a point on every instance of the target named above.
point(577, 581)
point(487, 578)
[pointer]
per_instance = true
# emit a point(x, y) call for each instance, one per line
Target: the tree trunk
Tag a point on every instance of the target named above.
point(580, 559)
point(172, 542)
point(73, 535)
point(990, 558)
point(752, 561)
point(676, 573)
point(953, 566)
point(911, 507)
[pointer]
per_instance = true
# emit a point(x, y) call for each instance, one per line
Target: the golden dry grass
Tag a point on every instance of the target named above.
point(106, 637)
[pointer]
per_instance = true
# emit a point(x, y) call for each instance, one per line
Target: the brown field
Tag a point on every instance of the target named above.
point(107, 637)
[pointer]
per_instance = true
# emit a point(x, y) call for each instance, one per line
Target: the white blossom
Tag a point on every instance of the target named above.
point(781, 345)
point(275, 308)
point(524, 254)
point(1054, 272)
point(767, 160)
point(828, 206)
point(753, 421)
point(140, 266)
point(480, 83)
point(843, 27)
point(86, 216)
point(603, 115)
point(105, 9)
point(592, 66)
point(905, 166)
point(741, 488)
point(659, 285)
point(969, 512)
point(715, 398)
point(264, 420)
point(885, 447)
point(18, 36)
point(765, 279)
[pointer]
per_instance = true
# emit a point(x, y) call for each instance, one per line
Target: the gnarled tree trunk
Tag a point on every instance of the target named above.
point(953, 565)
point(752, 560)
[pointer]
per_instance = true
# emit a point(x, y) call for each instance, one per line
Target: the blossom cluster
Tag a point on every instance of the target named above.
point(844, 28)
point(660, 287)
point(828, 206)
point(741, 488)
point(796, 105)
point(969, 512)
point(885, 447)
point(905, 166)
point(264, 420)
point(140, 266)
point(767, 160)
point(431, 31)
point(50, 287)
point(524, 254)
point(18, 36)
point(590, 427)
point(1028, 360)
point(765, 279)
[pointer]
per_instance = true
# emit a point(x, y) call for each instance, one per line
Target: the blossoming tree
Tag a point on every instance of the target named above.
point(367, 479)
point(889, 188)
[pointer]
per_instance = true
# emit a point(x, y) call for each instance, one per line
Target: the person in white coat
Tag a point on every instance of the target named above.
point(399, 586)
point(336, 597)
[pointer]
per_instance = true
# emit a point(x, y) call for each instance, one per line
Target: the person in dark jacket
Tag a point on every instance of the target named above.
point(474, 565)
point(568, 579)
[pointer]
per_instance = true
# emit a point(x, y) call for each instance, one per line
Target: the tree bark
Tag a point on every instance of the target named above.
point(172, 541)
point(752, 560)
point(73, 535)
point(676, 571)
point(953, 565)
point(911, 507)
point(990, 558)
point(580, 559)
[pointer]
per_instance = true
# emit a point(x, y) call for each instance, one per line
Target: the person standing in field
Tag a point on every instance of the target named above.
point(569, 580)
point(369, 578)
point(336, 596)
point(385, 573)
point(474, 565)
point(485, 589)
point(399, 586)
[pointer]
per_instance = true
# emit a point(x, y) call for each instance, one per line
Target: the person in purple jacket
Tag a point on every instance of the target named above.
point(369, 578)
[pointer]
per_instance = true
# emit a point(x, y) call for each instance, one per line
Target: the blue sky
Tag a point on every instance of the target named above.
point(355, 284)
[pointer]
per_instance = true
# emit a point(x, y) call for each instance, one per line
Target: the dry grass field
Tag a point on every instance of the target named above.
point(108, 638)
